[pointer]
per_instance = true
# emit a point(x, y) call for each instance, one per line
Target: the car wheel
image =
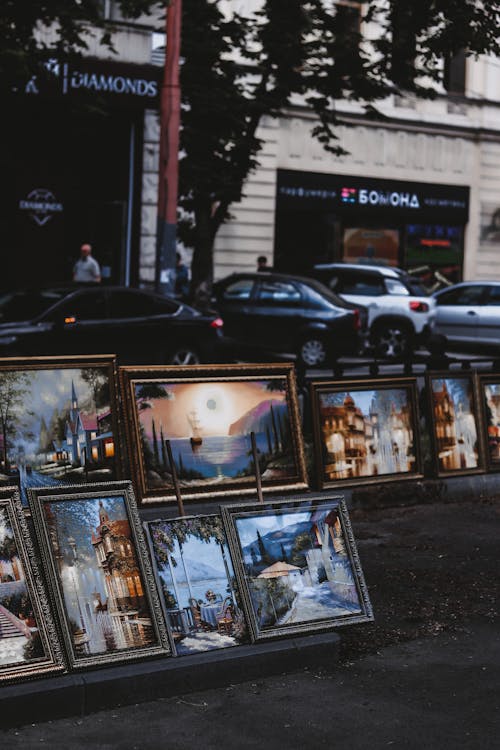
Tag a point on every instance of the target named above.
point(313, 352)
point(391, 340)
point(184, 355)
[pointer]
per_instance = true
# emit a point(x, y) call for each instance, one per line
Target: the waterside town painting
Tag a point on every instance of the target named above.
point(56, 427)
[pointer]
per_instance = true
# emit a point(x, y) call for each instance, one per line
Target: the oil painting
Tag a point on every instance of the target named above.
point(197, 583)
point(455, 423)
point(58, 422)
point(490, 401)
point(209, 417)
point(29, 646)
point(366, 431)
point(297, 566)
point(95, 558)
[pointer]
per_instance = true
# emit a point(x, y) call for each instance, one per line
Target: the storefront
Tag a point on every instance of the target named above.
point(71, 167)
point(323, 218)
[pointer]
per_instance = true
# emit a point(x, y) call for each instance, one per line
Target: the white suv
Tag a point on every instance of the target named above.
point(400, 313)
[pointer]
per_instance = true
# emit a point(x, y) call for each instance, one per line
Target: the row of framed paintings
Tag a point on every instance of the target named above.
point(84, 584)
point(202, 430)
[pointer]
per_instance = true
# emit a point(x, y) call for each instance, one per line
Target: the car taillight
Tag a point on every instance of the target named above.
point(357, 319)
point(419, 306)
point(217, 323)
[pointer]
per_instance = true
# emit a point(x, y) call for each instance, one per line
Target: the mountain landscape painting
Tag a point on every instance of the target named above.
point(209, 426)
point(299, 568)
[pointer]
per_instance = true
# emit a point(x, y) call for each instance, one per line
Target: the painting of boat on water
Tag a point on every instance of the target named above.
point(298, 567)
point(209, 423)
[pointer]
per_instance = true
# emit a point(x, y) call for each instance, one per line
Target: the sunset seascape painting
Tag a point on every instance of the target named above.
point(209, 425)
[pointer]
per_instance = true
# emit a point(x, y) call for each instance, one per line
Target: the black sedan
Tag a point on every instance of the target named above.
point(288, 314)
point(139, 326)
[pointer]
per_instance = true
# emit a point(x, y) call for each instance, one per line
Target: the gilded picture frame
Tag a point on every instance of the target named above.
point(29, 643)
point(297, 566)
point(366, 431)
point(489, 393)
point(455, 423)
point(61, 419)
point(95, 560)
point(208, 414)
point(197, 584)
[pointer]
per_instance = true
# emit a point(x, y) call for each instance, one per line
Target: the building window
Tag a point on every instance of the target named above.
point(454, 73)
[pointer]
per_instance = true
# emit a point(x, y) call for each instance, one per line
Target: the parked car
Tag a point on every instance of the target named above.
point(139, 326)
point(286, 314)
point(468, 314)
point(400, 311)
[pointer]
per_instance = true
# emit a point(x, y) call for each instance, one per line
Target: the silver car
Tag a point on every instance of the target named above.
point(468, 314)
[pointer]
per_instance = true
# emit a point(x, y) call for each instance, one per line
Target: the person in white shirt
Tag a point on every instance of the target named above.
point(86, 269)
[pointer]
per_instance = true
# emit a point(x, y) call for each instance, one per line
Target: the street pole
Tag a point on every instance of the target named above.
point(168, 177)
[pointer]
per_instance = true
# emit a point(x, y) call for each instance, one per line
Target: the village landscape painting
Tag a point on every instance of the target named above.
point(366, 432)
point(26, 627)
point(298, 567)
point(57, 424)
point(455, 423)
point(98, 582)
point(197, 583)
point(209, 424)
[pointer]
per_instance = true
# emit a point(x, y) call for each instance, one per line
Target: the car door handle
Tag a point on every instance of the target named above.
point(471, 312)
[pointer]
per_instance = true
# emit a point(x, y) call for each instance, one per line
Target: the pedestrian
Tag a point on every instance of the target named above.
point(181, 278)
point(262, 264)
point(86, 269)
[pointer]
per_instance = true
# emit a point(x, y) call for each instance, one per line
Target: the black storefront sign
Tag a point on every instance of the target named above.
point(369, 197)
point(118, 84)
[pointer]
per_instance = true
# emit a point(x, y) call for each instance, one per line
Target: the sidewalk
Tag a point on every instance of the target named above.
point(425, 674)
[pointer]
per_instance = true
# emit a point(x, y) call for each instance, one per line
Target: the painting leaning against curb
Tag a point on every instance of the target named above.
point(28, 642)
point(297, 566)
point(455, 422)
point(103, 597)
point(197, 584)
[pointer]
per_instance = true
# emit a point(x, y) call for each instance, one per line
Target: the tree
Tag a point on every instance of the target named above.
point(238, 70)
point(14, 388)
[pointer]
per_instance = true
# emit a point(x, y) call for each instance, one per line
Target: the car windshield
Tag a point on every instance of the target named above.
point(28, 304)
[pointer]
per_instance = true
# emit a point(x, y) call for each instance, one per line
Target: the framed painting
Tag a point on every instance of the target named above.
point(489, 395)
point(29, 644)
point(297, 566)
point(365, 431)
point(208, 414)
point(455, 422)
point(59, 418)
point(195, 577)
point(95, 560)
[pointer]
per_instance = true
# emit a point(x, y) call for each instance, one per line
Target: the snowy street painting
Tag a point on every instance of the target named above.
point(455, 425)
point(55, 426)
point(366, 433)
point(297, 568)
point(197, 583)
point(209, 426)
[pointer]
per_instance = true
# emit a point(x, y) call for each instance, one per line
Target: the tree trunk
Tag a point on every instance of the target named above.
point(202, 264)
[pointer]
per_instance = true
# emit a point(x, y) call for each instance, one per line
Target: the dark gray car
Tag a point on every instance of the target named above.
point(289, 314)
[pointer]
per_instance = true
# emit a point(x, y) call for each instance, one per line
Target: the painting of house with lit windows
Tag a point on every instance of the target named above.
point(56, 426)
point(366, 432)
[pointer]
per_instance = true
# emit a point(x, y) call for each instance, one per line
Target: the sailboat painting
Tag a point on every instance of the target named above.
point(209, 423)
